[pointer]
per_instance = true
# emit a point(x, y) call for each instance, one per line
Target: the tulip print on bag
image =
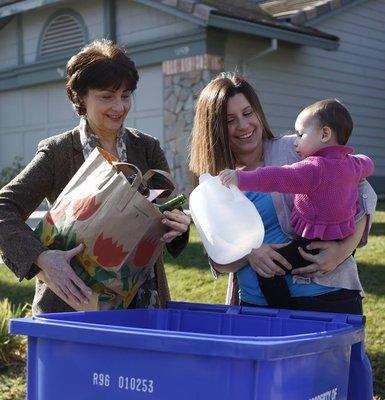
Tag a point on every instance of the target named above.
point(85, 208)
point(108, 254)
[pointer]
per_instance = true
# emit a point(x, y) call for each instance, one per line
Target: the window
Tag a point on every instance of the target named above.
point(63, 33)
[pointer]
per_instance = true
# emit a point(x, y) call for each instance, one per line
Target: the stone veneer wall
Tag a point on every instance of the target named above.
point(183, 81)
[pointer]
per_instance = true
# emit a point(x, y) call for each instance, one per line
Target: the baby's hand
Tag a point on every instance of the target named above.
point(228, 177)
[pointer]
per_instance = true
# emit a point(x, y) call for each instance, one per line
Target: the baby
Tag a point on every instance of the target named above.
point(324, 184)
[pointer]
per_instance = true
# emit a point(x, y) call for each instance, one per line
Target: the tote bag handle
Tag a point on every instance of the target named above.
point(127, 170)
point(151, 172)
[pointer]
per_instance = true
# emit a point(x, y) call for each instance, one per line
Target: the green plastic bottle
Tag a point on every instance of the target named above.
point(173, 203)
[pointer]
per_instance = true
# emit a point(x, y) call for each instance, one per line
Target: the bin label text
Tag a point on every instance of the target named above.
point(123, 382)
point(136, 384)
point(99, 379)
point(329, 395)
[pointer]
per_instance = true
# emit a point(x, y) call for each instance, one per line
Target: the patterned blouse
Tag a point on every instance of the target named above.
point(147, 295)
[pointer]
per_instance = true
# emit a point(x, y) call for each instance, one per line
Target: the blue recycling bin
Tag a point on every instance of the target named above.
point(196, 351)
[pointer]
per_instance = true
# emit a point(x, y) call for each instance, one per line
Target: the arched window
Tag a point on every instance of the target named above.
point(64, 32)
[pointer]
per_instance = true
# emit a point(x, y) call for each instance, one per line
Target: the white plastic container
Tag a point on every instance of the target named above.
point(227, 221)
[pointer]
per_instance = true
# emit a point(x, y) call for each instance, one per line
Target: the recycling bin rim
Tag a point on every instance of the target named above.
point(244, 347)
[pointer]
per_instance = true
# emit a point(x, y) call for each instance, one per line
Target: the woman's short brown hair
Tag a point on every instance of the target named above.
point(101, 64)
point(210, 148)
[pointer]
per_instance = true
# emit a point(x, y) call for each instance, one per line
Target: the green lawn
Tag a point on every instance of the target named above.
point(371, 261)
point(191, 280)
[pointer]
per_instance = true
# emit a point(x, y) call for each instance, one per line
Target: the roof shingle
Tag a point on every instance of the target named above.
point(301, 11)
point(248, 10)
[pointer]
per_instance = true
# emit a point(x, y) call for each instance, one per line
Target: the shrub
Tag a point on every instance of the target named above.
point(12, 347)
point(8, 173)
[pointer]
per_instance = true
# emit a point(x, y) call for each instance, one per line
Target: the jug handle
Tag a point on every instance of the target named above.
point(204, 177)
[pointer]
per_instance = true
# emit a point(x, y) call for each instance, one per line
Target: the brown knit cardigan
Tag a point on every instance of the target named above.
point(56, 161)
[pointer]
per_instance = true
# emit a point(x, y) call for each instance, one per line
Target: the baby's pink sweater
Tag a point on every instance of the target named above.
point(325, 188)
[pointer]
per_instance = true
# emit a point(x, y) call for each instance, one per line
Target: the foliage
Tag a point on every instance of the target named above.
point(12, 383)
point(12, 347)
point(8, 173)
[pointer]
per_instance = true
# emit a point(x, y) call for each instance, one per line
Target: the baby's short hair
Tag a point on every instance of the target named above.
point(332, 113)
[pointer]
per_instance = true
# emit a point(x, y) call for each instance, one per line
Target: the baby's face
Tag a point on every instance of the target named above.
point(309, 135)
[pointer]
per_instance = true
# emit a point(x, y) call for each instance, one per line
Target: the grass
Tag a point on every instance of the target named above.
point(191, 280)
point(371, 261)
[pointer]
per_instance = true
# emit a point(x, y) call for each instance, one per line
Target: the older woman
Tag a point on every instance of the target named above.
point(231, 131)
point(100, 82)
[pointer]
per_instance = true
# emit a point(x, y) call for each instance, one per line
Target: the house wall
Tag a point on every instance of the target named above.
point(361, 66)
point(8, 45)
point(136, 23)
point(29, 115)
point(146, 113)
point(292, 77)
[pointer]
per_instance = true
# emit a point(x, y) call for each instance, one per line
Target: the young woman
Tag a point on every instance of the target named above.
point(230, 131)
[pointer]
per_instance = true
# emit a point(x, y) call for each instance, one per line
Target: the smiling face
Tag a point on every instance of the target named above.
point(244, 127)
point(309, 135)
point(107, 109)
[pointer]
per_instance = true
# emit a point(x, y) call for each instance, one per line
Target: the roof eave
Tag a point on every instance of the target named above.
point(262, 30)
point(4, 21)
point(172, 11)
point(26, 5)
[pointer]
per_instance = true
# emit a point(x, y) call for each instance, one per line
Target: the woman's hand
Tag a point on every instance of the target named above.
point(177, 221)
point(264, 260)
point(331, 253)
point(56, 265)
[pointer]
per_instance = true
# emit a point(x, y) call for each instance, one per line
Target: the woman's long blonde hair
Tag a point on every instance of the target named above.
point(209, 147)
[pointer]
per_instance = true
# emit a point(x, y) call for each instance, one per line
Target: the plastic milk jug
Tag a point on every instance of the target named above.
point(227, 221)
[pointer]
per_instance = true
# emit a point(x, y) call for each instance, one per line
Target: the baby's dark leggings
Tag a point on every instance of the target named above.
point(275, 289)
